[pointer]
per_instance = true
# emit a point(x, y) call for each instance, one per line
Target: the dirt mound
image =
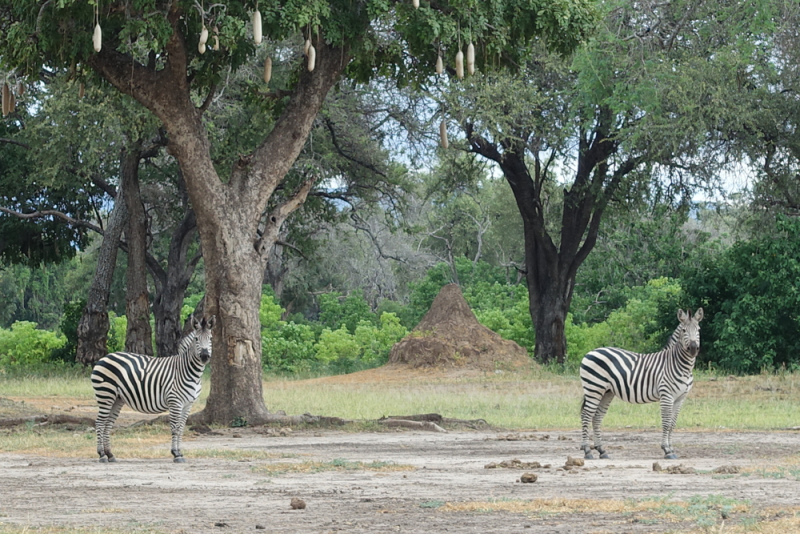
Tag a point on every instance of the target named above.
point(450, 336)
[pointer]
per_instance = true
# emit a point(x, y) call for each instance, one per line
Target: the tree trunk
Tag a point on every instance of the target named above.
point(233, 289)
point(236, 233)
point(93, 325)
point(139, 336)
point(172, 284)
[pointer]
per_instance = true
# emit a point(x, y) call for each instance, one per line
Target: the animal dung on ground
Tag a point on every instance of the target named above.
point(656, 467)
point(528, 478)
point(297, 504)
point(574, 462)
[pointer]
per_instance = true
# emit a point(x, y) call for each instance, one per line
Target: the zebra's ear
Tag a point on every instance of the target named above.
point(210, 322)
point(682, 316)
point(195, 323)
point(698, 316)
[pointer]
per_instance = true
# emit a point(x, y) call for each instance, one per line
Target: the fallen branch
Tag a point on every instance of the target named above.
point(54, 419)
point(418, 425)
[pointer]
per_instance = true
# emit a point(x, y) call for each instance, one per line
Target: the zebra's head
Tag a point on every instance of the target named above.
point(690, 333)
point(202, 337)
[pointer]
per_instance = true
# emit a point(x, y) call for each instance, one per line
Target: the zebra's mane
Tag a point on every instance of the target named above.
point(185, 344)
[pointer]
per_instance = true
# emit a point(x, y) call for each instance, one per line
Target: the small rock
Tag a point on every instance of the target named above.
point(221, 524)
point(528, 478)
point(236, 436)
point(260, 527)
point(297, 504)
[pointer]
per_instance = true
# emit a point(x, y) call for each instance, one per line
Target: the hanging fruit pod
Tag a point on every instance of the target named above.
point(312, 58)
point(415, 3)
point(257, 26)
point(97, 38)
point(12, 101)
point(443, 135)
point(470, 59)
point(81, 90)
point(439, 64)
point(204, 35)
point(6, 99)
point(201, 47)
point(460, 64)
point(216, 43)
point(267, 69)
point(306, 46)
point(20, 88)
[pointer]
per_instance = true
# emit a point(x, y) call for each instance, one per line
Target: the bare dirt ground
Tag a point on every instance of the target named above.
point(421, 482)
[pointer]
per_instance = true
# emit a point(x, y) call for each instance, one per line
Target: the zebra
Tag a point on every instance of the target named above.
point(664, 376)
point(151, 385)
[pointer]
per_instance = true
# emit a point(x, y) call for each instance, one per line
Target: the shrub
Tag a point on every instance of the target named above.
point(24, 345)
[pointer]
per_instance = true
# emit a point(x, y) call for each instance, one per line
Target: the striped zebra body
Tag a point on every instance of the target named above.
point(664, 376)
point(151, 385)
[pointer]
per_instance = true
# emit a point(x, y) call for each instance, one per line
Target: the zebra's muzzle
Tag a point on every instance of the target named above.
point(694, 348)
point(205, 356)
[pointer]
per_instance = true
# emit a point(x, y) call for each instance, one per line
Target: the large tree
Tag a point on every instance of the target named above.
point(633, 113)
point(150, 50)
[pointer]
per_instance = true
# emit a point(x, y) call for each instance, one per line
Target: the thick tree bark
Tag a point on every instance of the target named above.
point(139, 336)
point(551, 268)
point(235, 234)
point(172, 282)
point(93, 325)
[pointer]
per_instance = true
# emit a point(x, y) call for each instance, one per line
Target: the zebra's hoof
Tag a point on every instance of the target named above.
point(671, 456)
point(604, 456)
point(103, 459)
point(588, 456)
point(112, 459)
point(180, 460)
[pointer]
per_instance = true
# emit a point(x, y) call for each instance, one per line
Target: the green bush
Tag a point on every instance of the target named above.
point(337, 311)
point(288, 347)
point(24, 345)
point(751, 297)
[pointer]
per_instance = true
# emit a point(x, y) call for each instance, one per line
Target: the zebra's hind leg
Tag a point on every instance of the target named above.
point(597, 421)
point(105, 421)
point(587, 412)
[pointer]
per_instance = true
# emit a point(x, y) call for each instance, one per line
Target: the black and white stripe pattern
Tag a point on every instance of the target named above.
point(664, 376)
point(151, 385)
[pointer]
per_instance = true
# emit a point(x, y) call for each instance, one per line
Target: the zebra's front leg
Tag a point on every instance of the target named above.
point(667, 423)
point(676, 409)
point(177, 422)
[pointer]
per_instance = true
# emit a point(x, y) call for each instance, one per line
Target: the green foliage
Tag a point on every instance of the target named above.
point(751, 298)
point(117, 329)
point(638, 326)
point(337, 311)
point(288, 347)
point(269, 312)
point(24, 345)
point(69, 328)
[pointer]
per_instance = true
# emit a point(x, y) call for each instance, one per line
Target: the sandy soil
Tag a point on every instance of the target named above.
point(218, 495)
